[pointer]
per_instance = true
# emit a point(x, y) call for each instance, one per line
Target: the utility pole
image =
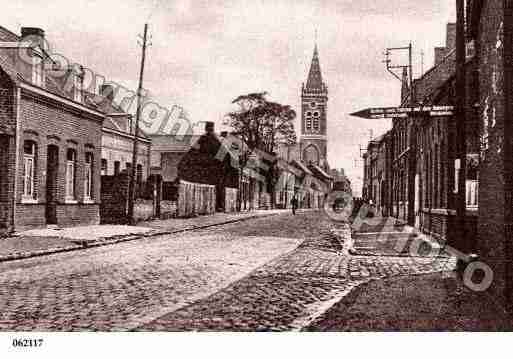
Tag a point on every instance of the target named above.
point(412, 143)
point(406, 190)
point(460, 158)
point(131, 187)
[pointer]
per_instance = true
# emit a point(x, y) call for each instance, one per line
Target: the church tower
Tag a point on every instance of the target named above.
point(314, 100)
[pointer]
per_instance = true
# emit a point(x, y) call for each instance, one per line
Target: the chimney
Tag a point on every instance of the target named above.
point(209, 127)
point(32, 31)
point(450, 42)
point(440, 53)
point(107, 91)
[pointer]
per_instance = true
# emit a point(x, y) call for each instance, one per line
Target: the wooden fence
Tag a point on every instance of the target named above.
point(195, 199)
point(230, 199)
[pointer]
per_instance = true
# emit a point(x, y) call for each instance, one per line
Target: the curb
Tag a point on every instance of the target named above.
point(80, 245)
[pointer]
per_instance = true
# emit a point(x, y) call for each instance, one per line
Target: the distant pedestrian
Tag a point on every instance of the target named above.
point(294, 203)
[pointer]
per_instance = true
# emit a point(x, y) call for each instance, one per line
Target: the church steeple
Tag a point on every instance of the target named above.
point(314, 107)
point(314, 81)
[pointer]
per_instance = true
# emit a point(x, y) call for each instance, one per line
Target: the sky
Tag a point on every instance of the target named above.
point(205, 53)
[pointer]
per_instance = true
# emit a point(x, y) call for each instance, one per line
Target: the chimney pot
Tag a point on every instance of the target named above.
point(209, 127)
point(107, 91)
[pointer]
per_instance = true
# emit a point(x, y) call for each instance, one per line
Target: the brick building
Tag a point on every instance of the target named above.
point(118, 141)
point(409, 172)
point(50, 141)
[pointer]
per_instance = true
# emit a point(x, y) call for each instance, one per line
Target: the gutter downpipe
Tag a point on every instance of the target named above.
point(17, 135)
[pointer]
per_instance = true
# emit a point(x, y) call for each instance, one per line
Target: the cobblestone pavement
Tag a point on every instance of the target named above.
point(120, 287)
point(275, 273)
point(293, 290)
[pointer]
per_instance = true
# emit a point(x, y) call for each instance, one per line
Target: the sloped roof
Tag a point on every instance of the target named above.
point(301, 166)
point(169, 143)
point(319, 172)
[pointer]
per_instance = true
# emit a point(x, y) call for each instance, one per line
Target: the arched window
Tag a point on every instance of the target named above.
point(71, 159)
point(311, 155)
point(29, 166)
point(308, 123)
point(316, 126)
point(88, 179)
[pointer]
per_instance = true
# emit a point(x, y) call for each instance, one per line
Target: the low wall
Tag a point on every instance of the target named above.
point(114, 191)
point(143, 209)
point(167, 209)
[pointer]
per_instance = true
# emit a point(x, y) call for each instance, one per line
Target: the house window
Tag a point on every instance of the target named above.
point(29, 155)
point(117, 166)
point(128, 167)
point(88, 179)
point(37, 70)
point(71, 159)
point(104, 167)
point(472, 192)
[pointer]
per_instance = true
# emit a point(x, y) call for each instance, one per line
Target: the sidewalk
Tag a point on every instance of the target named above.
point(46, 241)
point(388, 236)
point(430, 302)
point(420, 302)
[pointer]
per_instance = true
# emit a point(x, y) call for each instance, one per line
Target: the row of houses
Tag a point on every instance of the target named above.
point(408, 171)
point(412, 171)
point(59, 142)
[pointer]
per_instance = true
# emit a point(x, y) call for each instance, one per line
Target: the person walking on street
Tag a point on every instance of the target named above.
point(294, 204)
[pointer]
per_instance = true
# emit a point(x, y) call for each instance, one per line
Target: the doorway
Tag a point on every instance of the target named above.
point(52, 166)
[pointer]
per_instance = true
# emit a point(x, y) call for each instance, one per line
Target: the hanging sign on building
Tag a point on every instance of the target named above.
point(404, 112)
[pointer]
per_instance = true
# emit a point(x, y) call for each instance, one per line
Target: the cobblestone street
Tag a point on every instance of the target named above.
point(293, 290)
point(276, 273)
point(122, 286)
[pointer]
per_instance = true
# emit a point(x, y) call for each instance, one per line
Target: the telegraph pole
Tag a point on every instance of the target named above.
point(131, 187)
point(412, 136)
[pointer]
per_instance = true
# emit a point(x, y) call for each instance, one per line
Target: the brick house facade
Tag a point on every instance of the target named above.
point(50, 145)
